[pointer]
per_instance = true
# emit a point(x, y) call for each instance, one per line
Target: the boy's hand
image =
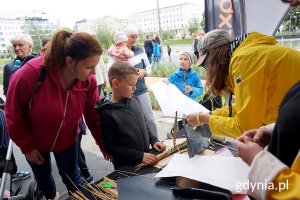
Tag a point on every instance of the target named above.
point(149, 159)
point(159, 146)
point(166, 81)
point(188, 89)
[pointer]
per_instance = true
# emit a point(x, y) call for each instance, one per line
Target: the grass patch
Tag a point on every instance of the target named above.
point(154, 103)
point(171, 42)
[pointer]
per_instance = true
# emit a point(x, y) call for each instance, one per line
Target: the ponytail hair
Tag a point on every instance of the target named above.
point(78, 46)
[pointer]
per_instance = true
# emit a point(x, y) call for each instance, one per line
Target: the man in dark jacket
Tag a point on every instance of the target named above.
point(148, 47)
point(22, 45)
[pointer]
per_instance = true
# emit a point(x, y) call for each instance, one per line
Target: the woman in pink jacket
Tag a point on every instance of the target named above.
point(45, 119)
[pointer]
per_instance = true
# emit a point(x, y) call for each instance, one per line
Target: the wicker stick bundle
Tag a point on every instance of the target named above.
point(96, 191)
point(77, 196)
point(175, 129)
point(164, 154)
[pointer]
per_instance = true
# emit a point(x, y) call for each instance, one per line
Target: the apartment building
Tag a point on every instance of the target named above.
point(9, 28)
point(174, 18)
point(37, 27)
point(112, 24)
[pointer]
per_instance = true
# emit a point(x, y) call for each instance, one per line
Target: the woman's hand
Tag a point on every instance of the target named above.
point(106, 156)
point(149, 159)
point(192, 119)
point(159, 146)
point(104, 85)
point(262, 136)
point(141, 73)
point(35, 157)
point(247, 149)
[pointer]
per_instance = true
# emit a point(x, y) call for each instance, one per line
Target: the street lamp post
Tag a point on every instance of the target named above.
point(37, 28)
point(159, 25)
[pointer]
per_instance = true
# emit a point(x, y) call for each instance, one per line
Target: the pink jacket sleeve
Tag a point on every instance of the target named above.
point(17, 100)
point(128, 53)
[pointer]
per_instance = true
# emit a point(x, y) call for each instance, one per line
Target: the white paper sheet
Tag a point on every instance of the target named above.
point(224, 172)
point(171, 99)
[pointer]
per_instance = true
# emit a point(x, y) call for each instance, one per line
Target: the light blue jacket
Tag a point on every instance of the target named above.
point(156, 50)
point(192, 79)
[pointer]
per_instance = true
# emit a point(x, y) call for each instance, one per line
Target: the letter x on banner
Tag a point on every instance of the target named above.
point(225, 14)
point(243, 16)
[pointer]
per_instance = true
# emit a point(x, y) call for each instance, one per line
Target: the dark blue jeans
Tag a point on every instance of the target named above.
point(67, 164)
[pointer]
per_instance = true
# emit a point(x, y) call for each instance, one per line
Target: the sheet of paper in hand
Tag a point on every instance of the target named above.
point(170, 100)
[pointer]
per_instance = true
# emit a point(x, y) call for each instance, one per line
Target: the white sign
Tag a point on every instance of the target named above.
point(171, 99)
point(223, 172)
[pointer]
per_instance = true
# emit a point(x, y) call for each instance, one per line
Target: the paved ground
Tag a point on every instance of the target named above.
point(98, 166)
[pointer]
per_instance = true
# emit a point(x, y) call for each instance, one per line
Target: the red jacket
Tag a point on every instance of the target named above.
point(39, 126)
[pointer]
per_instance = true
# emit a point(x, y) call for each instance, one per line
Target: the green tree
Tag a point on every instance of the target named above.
point(291, 21)
point(141, 37)
point(37, 34)
point(104, 36)
point(193, 26)
point(202, 23)
point(167, 35)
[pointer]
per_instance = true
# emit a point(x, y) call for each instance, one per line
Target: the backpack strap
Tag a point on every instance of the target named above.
point(38, 84)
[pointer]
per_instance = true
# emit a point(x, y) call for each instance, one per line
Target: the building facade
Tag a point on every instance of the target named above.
point(112, 24)
point(38, 28)
point(174, 18)
point(9, 28)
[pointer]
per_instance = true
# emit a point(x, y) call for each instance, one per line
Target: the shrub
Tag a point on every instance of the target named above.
point(154, 103)
point(163, 70)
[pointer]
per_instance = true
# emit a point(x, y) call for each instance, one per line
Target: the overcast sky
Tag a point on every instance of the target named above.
point(67, 12)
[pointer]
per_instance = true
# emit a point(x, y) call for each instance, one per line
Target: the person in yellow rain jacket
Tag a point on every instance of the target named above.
point(253, 68)
point(279, 167)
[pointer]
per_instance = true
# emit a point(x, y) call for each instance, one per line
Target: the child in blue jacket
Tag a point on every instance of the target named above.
point(185, 78)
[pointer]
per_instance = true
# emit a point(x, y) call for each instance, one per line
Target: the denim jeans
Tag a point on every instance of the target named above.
point(67, 164)
point(84, 170)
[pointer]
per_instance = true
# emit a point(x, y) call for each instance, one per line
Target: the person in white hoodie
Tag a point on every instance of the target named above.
point(101, 75)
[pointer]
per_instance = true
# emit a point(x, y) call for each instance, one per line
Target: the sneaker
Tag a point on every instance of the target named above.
point(20, 175)
point(89, 179)
point(56, 196)
point(6, 194)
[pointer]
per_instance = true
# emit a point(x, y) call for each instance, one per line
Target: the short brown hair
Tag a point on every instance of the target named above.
point(218, 61)
point(119, 70)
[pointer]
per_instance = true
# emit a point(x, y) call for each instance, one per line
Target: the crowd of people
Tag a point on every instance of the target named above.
point(51, 98)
